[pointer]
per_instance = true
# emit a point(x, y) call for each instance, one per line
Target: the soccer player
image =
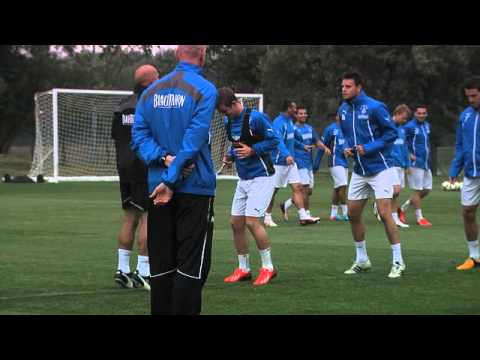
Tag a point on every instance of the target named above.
point(171, 134)
point(286, 170)
point(466, 158)
point(417, 133)
point(369, 133)
point(306, 138)
point(253, 140)
point(338, 167)
point(133, 188)
point(401, 159)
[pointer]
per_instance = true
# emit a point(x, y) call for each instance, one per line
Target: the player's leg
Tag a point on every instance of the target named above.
point(240, 240)
point(258, 196)
point(194, 228)
point(358, 193)
point(340, 180)
point(470, 201)
point(280, 181)
point(141, 276)
point(161, 243)
point(126, 237)
point(335, 204)
point(382, 184)
point(397, 188)
point(342, 199)
point(268, 221)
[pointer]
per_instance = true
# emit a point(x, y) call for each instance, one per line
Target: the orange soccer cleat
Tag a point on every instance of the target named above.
point(423, 222)
point(469, 264)
point(238, 275)
point(402, 216)
point(265, 276)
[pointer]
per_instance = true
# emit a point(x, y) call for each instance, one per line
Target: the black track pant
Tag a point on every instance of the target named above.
point(179, 248)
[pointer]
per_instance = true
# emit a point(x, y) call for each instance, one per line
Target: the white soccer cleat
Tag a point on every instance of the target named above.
point(359, 267)
point(401, 224)
point(315, 218)
point(269, 223)
point(397, 270)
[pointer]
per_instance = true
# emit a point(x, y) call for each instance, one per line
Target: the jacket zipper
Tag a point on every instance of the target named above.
point(355, 139)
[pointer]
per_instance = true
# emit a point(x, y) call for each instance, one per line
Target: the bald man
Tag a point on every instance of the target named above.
point(133, 188)
point(171, 133)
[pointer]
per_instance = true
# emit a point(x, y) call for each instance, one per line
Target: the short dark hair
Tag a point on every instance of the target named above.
point(286, 104)
point(473, 83)
point(301, 107)
point(421, 106)
point(226, 97)
point(355, 76)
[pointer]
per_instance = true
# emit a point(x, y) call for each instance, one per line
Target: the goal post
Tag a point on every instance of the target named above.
point(73, 135)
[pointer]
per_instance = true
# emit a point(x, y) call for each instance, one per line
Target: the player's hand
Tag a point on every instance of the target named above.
point(327, 151)
point(413, 157)
point(187, 170)
point(161, 195)
point(361, 150)
point(290, 160)
point(168, 160)
point(348, 152)
point(243, 151)
point(227, 160)
point(308, 148)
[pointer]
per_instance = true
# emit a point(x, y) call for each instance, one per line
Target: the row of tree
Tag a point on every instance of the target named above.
point(308, 74)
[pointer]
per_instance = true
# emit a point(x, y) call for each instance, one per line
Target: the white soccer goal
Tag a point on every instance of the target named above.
point(73, 135)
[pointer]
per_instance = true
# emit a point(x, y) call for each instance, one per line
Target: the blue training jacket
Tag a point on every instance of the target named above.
point(467, 146)
point(253, 166)
point(366, 121)
point(283, 126)
point(418, 141)
point(400, 154)
point(305, 135)
point(173, 117)
point(332, 139)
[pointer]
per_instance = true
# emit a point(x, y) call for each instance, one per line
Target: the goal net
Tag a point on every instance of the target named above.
point(73, 135)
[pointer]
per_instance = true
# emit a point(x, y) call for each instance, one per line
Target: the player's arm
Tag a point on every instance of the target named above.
point(389, 133)
point(195, 137)
point(321, 141)
point(143, 143)
point(261, 125)
point(458, 161)
point(281, 131)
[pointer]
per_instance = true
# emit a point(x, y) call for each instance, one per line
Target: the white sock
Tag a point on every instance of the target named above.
point(361, 247)
point(405, 205)
point(268, 216)
point(473, 249)
point(344, 210)
point(288, 204)
point(302, 214)
point(244, 262)
point(418, 214)
point(334, 211)
point(395, 217)
point(397, 253)
point(143, 265)
point(266, 259)
point(124, 260)
point(308, 213)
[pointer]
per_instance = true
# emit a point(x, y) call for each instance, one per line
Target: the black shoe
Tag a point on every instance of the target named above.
point(140, 282)
point(123, 280)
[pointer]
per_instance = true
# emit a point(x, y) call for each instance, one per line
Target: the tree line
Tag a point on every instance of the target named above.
point(308, 74)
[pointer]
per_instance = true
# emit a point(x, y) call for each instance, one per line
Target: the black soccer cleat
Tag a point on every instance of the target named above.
point(140, 282)
point(124, 280)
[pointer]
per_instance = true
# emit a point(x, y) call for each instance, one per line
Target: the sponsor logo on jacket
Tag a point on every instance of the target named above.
point(168, 101)
point(127, 119)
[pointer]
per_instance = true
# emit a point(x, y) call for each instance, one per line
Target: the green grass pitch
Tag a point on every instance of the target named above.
point(58, 256)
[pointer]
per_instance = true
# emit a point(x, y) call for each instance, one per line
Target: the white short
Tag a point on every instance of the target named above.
point(253, 196)
point(339, 175)
point(420, 179)
point(399, 176)
point(306, 177)
point(381, 184)
point(471, 191)
point(286, 174)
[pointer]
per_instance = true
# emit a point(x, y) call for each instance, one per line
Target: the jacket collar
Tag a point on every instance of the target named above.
point(186, 66)
point(358, 100)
